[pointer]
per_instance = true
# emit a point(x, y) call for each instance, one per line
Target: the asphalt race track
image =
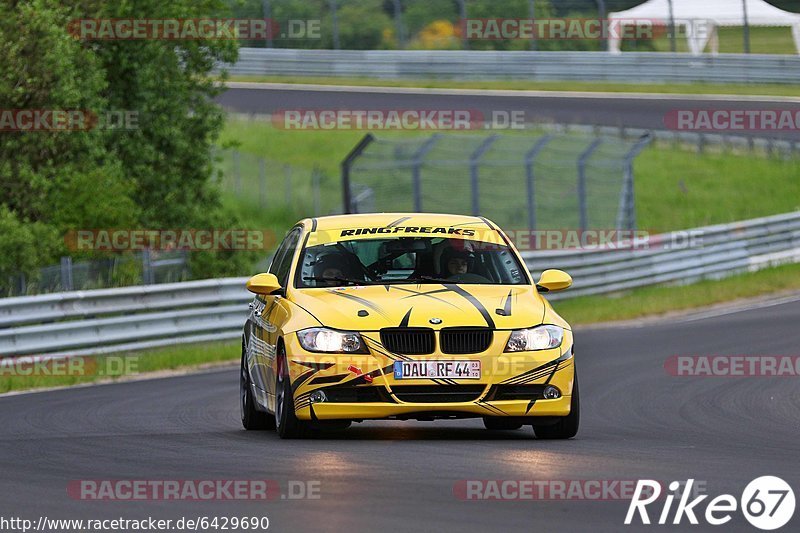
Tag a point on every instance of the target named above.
point(632, 111)
point(638, 422)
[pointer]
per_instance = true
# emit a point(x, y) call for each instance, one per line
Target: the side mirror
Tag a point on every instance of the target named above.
point(554, 280)
point(263, 284)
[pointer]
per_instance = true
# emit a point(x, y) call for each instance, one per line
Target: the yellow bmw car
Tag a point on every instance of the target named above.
point(405, 317)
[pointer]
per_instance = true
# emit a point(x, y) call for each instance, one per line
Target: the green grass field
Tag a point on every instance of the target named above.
point(675, 188)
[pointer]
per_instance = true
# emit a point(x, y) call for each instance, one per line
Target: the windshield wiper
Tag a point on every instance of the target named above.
point(337, 279)
point(431, 279)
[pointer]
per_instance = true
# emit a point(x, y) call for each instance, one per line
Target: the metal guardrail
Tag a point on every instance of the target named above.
point(718, 251)
point(111, 320)
point(534, 66)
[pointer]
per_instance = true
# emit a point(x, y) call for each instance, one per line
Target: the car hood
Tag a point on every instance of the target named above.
point(370, 308)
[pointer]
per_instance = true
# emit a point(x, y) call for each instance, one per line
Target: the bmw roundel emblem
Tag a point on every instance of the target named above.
point(435, 320)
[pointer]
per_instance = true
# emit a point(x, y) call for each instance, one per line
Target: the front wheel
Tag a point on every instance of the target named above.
point(567, 427)
point(252, 418)
point(286, 422)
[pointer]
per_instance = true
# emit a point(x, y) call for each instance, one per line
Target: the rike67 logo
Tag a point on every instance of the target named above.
point(767, 503)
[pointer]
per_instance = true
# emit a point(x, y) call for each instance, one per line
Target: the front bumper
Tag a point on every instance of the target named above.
point(360, 387)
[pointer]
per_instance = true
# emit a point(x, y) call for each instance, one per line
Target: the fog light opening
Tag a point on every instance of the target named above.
point(551, 393)
point(318, 396)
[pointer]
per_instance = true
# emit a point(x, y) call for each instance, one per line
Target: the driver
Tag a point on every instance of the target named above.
point(331, 267)
point(457, 262)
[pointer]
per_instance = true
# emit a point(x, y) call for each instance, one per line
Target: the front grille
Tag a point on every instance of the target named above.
point(437, 393)
point(465, 340)
point(515, 392)
point(408, 341)
point(349, 394)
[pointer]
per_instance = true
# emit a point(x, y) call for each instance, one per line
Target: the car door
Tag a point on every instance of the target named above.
point(270, 314)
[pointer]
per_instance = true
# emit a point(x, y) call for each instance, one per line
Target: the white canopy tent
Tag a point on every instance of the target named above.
point(699, 19)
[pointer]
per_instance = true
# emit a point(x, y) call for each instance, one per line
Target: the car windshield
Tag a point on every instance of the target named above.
point(409, 260)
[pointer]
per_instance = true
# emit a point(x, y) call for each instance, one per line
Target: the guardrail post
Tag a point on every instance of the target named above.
point(347, 165)
point(416, 170)
point(582, 214)
point(529, 179)
point(474, 161)
point(66, 273)
point(626, 213)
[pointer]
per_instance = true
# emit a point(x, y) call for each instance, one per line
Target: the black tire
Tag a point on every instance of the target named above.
point(567, 427)
point(496, 423)
point(287, 424)
point(252, 418)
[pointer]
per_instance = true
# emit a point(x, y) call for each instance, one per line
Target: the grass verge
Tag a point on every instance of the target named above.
point(735, 89)
point(117, 366)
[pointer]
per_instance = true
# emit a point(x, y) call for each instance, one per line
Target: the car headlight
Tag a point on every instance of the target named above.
point(331, 341)
point(538, 338)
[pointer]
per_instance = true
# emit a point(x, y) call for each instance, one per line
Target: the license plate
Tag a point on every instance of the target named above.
point(437, 369)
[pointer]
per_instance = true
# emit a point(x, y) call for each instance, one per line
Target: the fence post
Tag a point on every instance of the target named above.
point(262, 183)
point(147, 268)
point(287, 184)
point(626, 213)
point(601, 7)
point(462, 13)
point(672, 38)
point(746, 27)
point(474, 161)
point(335, 23)
point(398, 22)
point(266, 9)
point(315, 189)
point(529, 179)
point(583, 215)
point(347, 163)
point(532, 16)
point(237, 172)
point(419, 157)
point(66, 273)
